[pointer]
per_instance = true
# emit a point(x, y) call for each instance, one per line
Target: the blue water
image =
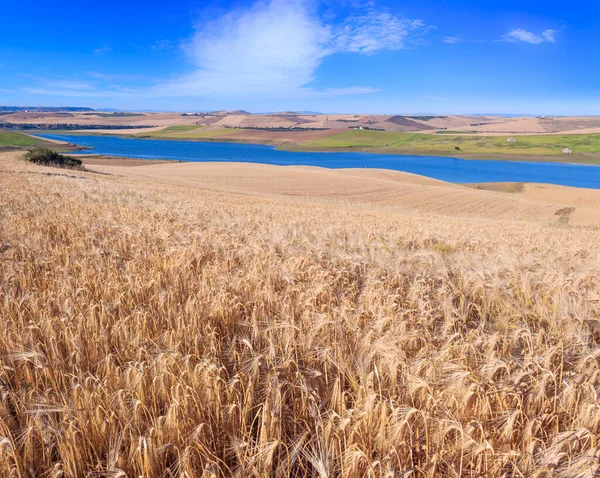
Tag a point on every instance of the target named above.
point(444, 168)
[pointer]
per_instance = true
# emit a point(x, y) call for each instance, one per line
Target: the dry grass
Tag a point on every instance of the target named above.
point(160, 331)
point(367, 189)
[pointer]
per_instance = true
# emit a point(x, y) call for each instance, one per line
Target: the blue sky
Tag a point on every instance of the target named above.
point(437, 56)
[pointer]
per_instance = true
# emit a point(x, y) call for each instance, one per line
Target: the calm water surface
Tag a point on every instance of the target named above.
point(444, 168)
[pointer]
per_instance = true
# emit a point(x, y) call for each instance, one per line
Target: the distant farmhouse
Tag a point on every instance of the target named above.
point(567, 151)
point(511, 140)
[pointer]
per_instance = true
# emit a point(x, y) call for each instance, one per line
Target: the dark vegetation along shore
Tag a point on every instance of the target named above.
point(68, 126)
point(49, 157)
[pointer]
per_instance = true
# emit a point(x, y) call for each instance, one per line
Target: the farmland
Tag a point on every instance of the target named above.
point(527, 145)
point(249, 320)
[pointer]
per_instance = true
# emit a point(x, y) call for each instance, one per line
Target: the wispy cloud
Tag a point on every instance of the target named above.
point(520, 35)
point(549, 35)
point(373, 32)
point(65, 87)
point(103, 50)
point(452, 40)
point(269, 47)
point(161, 45)
point(114, 77)
point(66, 84)
point(273, 49)
point(49, 91)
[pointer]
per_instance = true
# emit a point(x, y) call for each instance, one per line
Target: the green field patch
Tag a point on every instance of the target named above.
point(176, 131)
point(469, 144)
point(18, 140)
point(449, 131)
point(188, 132)
point(179, 129)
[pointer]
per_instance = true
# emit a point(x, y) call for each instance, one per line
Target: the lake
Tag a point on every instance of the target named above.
point(445, 168)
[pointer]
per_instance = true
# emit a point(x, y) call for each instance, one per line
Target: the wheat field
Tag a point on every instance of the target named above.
point(153, 329)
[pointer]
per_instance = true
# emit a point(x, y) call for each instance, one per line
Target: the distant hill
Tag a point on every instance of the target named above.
point(505, 115)
point(302, 112)
point(289, 113)
point(229, 112)
point(43, 109)
point(409, 122)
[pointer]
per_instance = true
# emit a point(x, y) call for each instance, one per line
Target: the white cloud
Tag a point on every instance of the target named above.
point(520, 35)
point(48, 91)
point(62, 84)
point(452, 40)
point(69, 88)
point(374, 32)
point(549, 35)
point(269, 47)
point(352, 90)
point(272, 49)
point(98, 75)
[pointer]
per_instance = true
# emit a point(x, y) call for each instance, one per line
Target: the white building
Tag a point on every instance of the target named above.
point(511, 140)
point(567, 151)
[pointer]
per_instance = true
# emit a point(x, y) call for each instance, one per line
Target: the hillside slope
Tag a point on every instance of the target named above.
point(235, 322)
point(370, 188)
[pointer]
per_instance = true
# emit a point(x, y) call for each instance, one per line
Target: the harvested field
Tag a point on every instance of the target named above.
point(250, 320)
point(112, 161)
point(409, 124)
point(278, 137)
point(570, 123)
point(340, 122)
point(367, 188)
point(238, 135)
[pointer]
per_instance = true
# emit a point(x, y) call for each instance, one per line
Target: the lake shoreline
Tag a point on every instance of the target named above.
point(102, 160)
point(592, 159)
point(445, 168)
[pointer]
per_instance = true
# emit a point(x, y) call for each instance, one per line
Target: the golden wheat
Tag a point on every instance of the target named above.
point(158, 331)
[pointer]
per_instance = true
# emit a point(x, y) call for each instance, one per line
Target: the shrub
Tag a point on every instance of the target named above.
point(48, 157)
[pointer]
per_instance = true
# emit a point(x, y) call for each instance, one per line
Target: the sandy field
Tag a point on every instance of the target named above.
point(93, 160)
point(275, 137)
point(390, 190)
